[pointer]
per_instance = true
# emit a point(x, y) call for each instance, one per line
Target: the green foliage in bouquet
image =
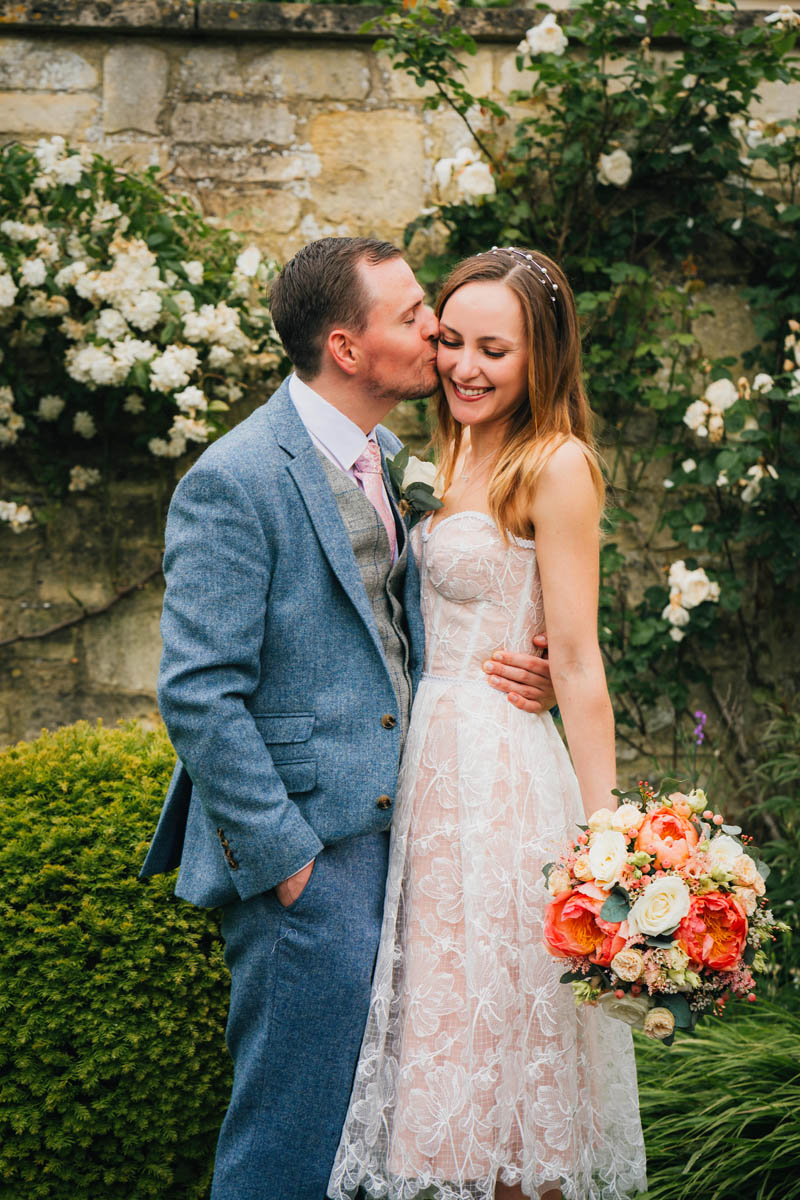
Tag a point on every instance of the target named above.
point(113, 1068)
point(720, 1115)
point(633, 153)
point(128, 323)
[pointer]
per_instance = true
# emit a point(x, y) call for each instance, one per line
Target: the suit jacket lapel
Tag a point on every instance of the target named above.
point(402, 528)
point(320, 502)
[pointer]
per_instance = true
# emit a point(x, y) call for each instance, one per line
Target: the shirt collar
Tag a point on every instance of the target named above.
point(328, 426)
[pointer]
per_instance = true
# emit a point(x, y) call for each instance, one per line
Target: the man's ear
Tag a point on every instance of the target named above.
point(342, 349)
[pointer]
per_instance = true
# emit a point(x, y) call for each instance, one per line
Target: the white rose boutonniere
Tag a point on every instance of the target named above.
point(415, 484)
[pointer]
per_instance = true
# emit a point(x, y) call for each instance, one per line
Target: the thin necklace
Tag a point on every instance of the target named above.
point(467, 475)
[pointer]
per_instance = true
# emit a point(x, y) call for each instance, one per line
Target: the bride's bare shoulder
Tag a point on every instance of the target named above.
point(568, 481)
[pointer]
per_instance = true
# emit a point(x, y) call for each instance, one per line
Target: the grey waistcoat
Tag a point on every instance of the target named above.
point(382, 580)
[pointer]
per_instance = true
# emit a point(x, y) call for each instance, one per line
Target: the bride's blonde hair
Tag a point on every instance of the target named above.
point(554, 409)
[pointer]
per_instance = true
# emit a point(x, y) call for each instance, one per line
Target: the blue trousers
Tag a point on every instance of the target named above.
point(300, 988)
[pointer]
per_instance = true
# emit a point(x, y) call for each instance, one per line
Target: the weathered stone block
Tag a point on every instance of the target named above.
point(372, 169)
point(314, 74)
point(211, 70)
point(255, 212)
point(240, 165)
point(137, 156)
point(28, 113)
point(729, 329)
point(28, 65)
point(134, 87)
point(225, 121)
point(123, 647)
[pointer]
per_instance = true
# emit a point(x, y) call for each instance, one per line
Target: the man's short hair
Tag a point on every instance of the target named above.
point(319, 289)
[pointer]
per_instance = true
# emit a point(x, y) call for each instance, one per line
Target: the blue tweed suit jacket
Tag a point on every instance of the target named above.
point(273, 679)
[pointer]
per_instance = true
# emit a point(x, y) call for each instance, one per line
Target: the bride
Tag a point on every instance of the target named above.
point(478, 1078)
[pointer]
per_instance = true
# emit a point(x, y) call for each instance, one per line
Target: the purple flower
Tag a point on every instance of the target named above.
point(698, 731)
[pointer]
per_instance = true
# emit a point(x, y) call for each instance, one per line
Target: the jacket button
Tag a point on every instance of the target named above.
point(384, 802)
point(388, 721)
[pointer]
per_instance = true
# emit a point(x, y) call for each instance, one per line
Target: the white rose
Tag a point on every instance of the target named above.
point(443, 172)
point(630, 1009)
point(696, 415)
point(676, 634)
point(721, 394)
point(248, 262)
point(614, 168)
point(601, 820)
point(191, 398)
point(698, 800)
point(675, 613)
point(661, 907)
point(111, 325)
point(476, 180)
point(626, 817)
point(763, 383)
point(68, 170)
point(689, 465)
point(418, 471)
point(546, 38)
point(723, 853)
point(696, 588)
point(608, 854)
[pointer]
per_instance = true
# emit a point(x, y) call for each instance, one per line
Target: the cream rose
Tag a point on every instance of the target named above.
point(581, 869)
point(745, 871)
point(626, 817)
point(558, 881)
point(628, 964)
point(630, 1009)
point(721, 394)
point(661, 907)
point(601, 820)
point(723, 853)
point(659, 1023)
point(608, 854)
point(614, 168)
point(747, 898)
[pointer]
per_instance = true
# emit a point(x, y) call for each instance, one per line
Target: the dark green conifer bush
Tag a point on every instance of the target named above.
point(113, 1069)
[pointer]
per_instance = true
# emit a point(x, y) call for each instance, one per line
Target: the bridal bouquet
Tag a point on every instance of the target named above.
point(658, 908)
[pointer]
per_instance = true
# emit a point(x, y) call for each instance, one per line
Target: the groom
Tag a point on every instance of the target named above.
point(293, 641)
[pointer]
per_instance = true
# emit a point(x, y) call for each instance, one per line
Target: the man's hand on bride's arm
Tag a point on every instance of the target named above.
point(525, 678)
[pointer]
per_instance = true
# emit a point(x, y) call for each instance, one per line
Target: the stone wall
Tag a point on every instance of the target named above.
point(284, 124)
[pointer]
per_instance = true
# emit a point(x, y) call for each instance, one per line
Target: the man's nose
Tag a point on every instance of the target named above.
point(430, 325)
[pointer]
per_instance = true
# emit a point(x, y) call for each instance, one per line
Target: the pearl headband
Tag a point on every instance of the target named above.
point(529, 262)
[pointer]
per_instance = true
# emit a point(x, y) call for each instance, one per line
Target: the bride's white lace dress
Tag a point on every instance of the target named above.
point(476, 1065)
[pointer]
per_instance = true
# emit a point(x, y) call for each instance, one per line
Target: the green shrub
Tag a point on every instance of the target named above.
point(113, 1068)
point(721, 1109)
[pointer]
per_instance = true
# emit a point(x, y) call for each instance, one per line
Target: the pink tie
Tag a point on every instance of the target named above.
point(367, 470)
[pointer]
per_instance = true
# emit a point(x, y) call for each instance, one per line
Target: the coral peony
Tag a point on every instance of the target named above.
point(573, 927)
point(713, 933)
point(667, 835)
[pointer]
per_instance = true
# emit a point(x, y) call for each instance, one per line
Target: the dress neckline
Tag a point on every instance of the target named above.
point(427, 531)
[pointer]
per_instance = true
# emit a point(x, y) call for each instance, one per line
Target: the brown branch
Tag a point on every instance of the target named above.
point(87, 612)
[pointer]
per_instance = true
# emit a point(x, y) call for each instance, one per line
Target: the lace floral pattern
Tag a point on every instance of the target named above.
point(476, 1065)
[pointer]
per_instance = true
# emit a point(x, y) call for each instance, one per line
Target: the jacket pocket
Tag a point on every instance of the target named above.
point(284, 728)
point(298, 775)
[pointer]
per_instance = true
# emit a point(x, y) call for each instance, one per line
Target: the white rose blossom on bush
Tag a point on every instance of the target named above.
point(687, 589)
point(545, 38)
point(614, 168)
point(705, 417)
point(75, 263)
point(18, 516)
point(466, 174)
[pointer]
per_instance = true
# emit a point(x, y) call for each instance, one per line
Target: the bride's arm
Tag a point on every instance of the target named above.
point(566, 518)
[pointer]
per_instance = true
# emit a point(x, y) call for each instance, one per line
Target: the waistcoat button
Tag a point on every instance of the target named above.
point(388, 721)
point(384, 802)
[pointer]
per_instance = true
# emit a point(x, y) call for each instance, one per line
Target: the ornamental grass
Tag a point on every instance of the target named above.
point(721, 1110)
point(113, 1069)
